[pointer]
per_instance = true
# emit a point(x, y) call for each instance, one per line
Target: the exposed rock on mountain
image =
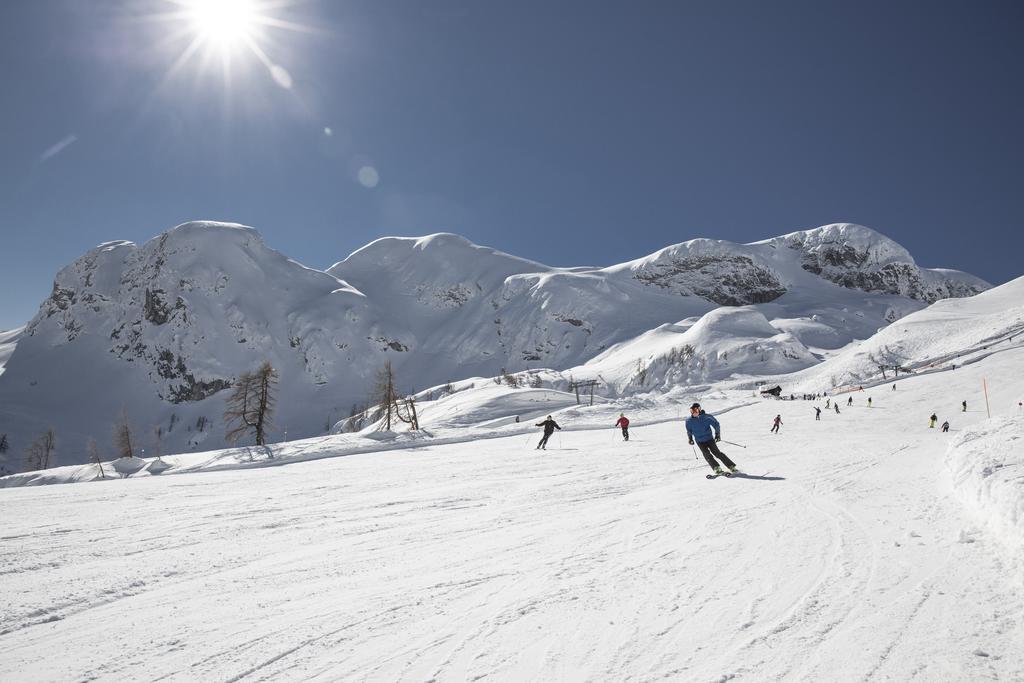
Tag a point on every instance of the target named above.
point(856, 257)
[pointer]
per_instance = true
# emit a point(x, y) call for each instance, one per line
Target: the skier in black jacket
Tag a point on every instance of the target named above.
point(549, 426)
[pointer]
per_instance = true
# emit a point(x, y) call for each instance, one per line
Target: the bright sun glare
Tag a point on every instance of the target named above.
point(223, 23)
point(226, 30)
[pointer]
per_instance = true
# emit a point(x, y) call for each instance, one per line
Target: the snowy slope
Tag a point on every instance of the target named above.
point(847, 554)
point(8, 340)
point(163, 329)
point(946, 334)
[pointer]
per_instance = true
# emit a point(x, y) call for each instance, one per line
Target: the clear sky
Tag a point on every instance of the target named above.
point(574, 132)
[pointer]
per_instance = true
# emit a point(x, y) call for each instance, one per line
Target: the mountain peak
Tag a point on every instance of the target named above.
point(874, 248)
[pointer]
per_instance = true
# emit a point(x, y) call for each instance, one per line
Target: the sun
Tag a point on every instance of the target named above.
point(223, 23)
point(225, 31)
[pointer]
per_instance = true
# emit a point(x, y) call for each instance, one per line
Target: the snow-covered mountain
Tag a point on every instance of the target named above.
point(162, 330)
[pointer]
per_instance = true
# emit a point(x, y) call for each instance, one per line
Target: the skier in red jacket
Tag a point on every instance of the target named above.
point(624, 423)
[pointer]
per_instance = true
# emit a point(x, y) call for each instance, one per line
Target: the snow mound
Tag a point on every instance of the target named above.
point(987, 464)
point(129, 466)
point(723, 343)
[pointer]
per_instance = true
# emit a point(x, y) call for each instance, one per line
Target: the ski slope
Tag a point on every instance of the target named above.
point(861, 547)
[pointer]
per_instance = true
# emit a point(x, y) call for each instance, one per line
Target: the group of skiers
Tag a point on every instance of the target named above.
point(945, 425)
point(701, 429)
point(705, 432)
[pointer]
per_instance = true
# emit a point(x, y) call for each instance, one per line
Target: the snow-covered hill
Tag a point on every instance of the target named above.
point(162, 330)
point(945, 335)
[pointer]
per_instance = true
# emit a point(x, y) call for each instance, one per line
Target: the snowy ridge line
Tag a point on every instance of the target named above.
point(987, 465)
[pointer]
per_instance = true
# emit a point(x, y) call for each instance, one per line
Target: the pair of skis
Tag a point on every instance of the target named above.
point(721, 474)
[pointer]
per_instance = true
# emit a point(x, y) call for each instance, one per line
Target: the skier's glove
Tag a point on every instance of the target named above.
point(718, 438)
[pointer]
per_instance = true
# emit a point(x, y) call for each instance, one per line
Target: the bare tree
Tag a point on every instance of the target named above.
point(510, 379)
point(384, 395)
point(93, 451)
point(41, 452)
point(3, 443)
point(123, 437)
point(408, 404)
point(251, 404)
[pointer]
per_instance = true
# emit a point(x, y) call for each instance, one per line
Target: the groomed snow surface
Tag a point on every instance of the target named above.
point(864, 546)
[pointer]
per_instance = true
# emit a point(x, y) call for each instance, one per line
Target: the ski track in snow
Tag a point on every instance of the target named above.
point(490, 560)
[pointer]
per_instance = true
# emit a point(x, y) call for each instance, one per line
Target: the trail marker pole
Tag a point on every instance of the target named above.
point(984, 387)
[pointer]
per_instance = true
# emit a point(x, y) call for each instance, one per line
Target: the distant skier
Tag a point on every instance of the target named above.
point(849, 401)
point(964, 404)
point(776, 423)
point(624, 423)
point(932, 420)
point(817, 413)
point(549, 426)
point(945, 426)
point(836, 406)
point(826, 403)
point(894, 387)
point(869, 401)
point(698, 428)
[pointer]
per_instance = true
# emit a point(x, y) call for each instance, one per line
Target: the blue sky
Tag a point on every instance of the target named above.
point(571, 132)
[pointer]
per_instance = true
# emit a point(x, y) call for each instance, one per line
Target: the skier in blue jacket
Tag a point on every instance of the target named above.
point(699, 428)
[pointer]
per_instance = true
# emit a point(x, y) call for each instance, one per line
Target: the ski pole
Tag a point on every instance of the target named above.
point(734, 444)
point(694, 452)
